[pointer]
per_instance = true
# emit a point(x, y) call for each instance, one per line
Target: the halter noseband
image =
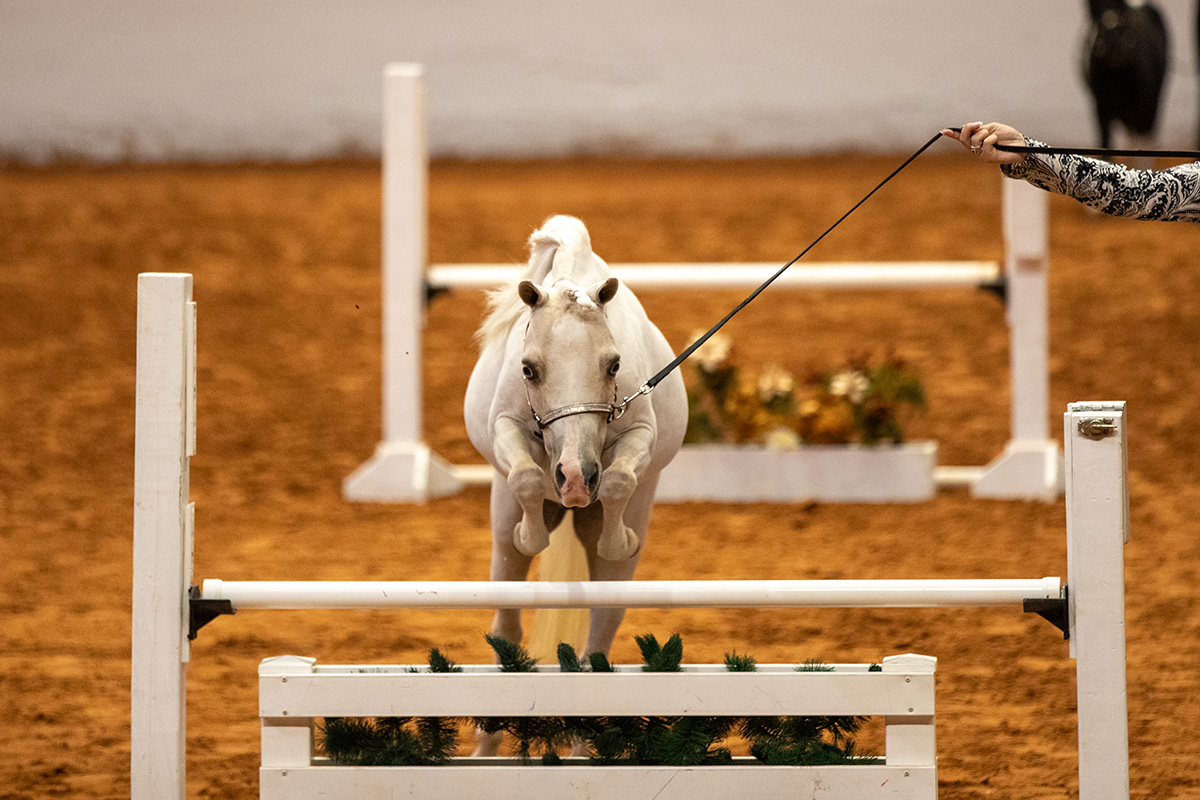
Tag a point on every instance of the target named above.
point(612, 410)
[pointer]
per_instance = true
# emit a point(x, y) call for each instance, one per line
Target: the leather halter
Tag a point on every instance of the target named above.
point(612, 410)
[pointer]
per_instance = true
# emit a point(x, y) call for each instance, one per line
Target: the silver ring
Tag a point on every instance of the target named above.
point(976, 149)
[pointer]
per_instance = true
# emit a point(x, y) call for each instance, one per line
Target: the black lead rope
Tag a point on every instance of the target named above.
point(1102, 152)
point(1194, 155)
point(649, 385)
point(665, 371)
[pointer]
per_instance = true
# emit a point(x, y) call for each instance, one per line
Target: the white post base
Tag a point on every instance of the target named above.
point(1026, 470)
point(401, 472)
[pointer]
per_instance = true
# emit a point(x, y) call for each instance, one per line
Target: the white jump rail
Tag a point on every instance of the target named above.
point(403, 468)
point(748, 276)
point(631, 594)
point(1097, 530)
point(294, 690)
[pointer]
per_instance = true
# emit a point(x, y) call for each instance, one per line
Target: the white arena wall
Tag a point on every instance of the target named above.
point(149, 80)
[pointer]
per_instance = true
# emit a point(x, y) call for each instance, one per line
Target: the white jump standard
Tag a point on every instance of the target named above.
point(167, 608)
point(403, 468)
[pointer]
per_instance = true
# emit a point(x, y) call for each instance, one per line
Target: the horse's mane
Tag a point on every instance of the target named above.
point(504, 305)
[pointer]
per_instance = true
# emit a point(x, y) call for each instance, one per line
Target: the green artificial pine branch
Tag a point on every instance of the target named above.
point(439, 663)
point(389, 741)
point(568, 659)
point(664, 658)
point(512, 657)
point(736, 663)
point(394, 741)
point(541, 734)
point(438, 737)
point(689, 740)
point(799, 741)
point(649, 646)
point(599, 663)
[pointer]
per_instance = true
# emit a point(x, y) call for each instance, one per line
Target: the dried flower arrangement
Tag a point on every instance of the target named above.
point(858, 403)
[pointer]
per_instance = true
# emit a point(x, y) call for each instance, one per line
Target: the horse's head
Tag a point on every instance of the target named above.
point(570, 363)
point(1118, 34)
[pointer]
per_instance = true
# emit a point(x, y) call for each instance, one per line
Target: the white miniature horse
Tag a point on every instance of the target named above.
point(558, 350)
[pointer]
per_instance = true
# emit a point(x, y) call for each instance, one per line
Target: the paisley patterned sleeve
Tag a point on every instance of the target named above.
point(1169, 195)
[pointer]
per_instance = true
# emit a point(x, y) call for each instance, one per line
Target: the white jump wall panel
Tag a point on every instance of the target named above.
point(293, 689)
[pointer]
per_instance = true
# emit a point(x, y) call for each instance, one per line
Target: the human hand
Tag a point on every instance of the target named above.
point(982, 139)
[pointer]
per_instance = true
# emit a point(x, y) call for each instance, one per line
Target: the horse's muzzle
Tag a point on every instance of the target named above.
point(577, 489)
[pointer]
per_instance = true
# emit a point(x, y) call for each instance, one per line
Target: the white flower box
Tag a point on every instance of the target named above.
point(744, 473)
point(293, 691)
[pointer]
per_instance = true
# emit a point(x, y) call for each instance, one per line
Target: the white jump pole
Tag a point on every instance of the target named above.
point(165, 438)
point(631, 594)
point(747, 276)
point(1097, 531)
point(404, 469)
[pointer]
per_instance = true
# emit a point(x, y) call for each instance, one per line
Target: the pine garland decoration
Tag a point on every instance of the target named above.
point(803, 741)
point(672, 741)
point(541, 734)
point(568, 659)
point(661, 658)
point(393, 741)
point(736, 663)
point(512, 657)
point(599, 663)
point(643, 741)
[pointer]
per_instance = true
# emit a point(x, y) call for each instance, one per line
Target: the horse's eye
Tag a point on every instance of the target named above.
point(529, 372)
point(614, 369)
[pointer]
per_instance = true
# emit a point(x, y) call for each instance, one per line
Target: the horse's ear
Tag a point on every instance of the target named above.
point(604, 292)
point(530, 294)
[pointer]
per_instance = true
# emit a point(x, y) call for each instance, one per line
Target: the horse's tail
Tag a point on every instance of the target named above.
point(563, 560)
point(558, 246)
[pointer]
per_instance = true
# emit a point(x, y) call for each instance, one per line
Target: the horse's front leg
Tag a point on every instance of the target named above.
point(527, 481)
point(630, 456)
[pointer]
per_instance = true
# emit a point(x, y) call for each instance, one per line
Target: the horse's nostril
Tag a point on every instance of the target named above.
point(559, 477)
point(592, 476)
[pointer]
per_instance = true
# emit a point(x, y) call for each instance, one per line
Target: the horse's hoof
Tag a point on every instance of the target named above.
point(621, 547)
point(529, 545)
